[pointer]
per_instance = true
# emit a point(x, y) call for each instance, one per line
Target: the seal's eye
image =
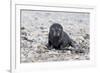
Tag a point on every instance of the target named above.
point(52, 29)
point(59, 29)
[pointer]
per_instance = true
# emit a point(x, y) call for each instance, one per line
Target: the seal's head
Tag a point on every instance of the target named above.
point(56, 30)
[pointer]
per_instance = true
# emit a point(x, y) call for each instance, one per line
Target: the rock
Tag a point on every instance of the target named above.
point(68, 52)
point(24, 33)
point(76, 56)
point(22, 28)
point(86, 36)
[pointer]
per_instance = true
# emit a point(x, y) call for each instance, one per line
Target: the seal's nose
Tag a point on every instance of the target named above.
point(54, 33)
point(58, 34)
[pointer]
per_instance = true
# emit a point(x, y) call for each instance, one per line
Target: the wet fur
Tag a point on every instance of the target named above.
point(57, 38)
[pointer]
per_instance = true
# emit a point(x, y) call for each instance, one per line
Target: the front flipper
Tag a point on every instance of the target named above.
point(49, 45)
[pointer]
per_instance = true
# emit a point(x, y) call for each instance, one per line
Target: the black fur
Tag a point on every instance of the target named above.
point(57, 38)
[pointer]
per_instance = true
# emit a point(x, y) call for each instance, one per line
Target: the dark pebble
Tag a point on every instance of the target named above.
point(22, 28)
point(86, 36)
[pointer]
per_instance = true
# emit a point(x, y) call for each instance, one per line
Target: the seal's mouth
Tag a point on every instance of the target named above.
point(55, 41)
point(56, 38)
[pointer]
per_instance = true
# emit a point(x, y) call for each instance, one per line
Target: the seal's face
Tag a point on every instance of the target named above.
point(56, 30)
